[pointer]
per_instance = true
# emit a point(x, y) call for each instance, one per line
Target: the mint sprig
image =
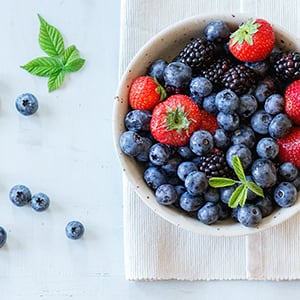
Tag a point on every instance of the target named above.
point(239, 196)
point(60, 60)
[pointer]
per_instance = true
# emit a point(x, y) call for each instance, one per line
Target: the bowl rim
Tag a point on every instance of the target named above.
point(128, 164)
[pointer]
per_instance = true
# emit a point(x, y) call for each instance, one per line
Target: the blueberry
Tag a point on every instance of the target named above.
point(217, 31)
point(264, 173)
point(200, 86)
point(180, 189)
point(196, 183)
point(243, 152)
point(260, 67)
point(27, 104)
point(159, 154)
point(143, 154)
point(138, 120)
point(170, 167)
point(227, 101)
point(248, 106)
point(190, 203)
point(209, 213)
point(3, 237)
point(250, 194)
point(221, 139)
point(274, 104)
point(244, 135)
point(166, 194)
point(156, 70)
point(262, 92)
point(185, 168)
point(154, 177)
point(209, 104)
point(131, 143)
point(285, 194)
point(197, 99)
point(40, 202)
point(260, 121)
point(267, 147)
point(212, 195)
point(185, 152)
point(266, 206)
point(228, 122)
point(224, 211)
point(288, 171)
point(249, 215)
point(226, 192)
point(177, 75)
point(74, 230)
point(280, 126)
point(296, 183)
point(20, 195)
point(201, 142)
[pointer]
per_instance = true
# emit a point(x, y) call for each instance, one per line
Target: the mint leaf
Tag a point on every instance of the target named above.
point(238, 168)
point(255, 188)
point(238, 197)
point(50, 39)
point(71, 53)
point(217, 182)
point(74, 65)
point(55, 80)
point(43, 66)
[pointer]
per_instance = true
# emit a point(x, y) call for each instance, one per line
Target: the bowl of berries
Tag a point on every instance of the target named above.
point(206, 124)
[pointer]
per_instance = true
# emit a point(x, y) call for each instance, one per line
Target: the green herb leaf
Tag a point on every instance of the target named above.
point(43, 66)
point(70, 54)
point(55, 80)
point(238, 168)
point(238, 197)
point(218, 182)
point(74, 65)
point(255, 188)
point(50, 39)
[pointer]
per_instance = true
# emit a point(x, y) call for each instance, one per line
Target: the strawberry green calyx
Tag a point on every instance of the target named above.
point(245, 32)
point(177, 119)
point(160, 90)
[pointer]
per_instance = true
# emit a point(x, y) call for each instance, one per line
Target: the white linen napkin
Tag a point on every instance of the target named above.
point(154, 249)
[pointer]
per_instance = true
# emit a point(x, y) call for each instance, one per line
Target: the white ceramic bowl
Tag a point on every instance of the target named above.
point(166, 44)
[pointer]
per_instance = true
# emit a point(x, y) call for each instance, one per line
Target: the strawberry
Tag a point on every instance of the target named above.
point(175, 119)
point(289, 147)
point(145, 93)
point(292, 101)
point(252, 41)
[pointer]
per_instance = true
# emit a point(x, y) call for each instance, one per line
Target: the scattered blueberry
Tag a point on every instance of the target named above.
point(244, 135)
point(221, 139)
point(209, 104)
point(159, 154)
point(228, 122)
point(138, 120)
point(3, 236)
point(274, 104)
point(209, 213)
point(260, 121)
point(200, 86)
point(267, 147)
point(226, 192)
point(27, 104)
point(262, 92)
point(280, 126)
point(201, 142)
point(40, 202)
point(217, 31)
point(156, 70)
point(264, 173)
point(170, 167)
point(143, 154)
point(266, 206)
point(185, 168)
point(243, 152)
point(154, 177)
point(249, 215)
point(227, 101)
point(166, 194)
point(260, 67)
point(131, 143)
point(185, 152)
point(74, 230)
point(20, 195)
point(285, 194)
point(250, 194)
point(212, 195)
point(190, 203)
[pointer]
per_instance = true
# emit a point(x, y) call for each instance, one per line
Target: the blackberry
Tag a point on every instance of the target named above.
point(216, 70)
point(239, 79)
point(197, 54)
point(287, 65)
point(214, 165)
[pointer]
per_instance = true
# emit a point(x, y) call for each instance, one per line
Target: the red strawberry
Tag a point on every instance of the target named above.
point(175, 119)
point(145, 93)
point(292, 101)
point(289, 147)
point(253, 41)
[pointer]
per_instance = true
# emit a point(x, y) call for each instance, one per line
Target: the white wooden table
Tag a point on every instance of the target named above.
point(66, 151)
